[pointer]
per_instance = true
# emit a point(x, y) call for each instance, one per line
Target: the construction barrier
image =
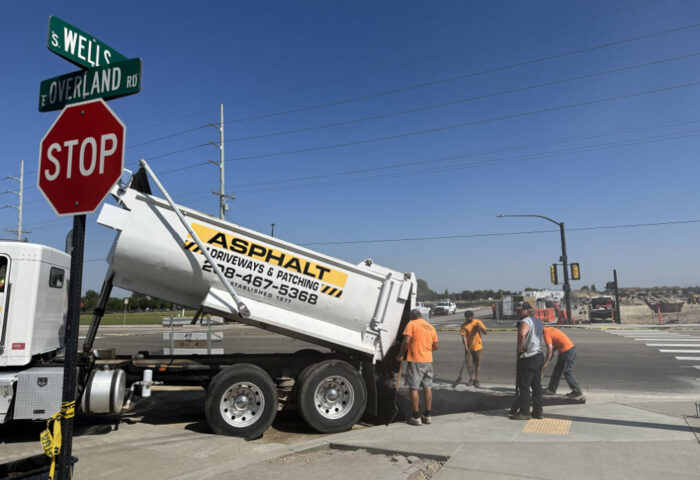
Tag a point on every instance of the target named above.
point(562, 317)
point(547, 315)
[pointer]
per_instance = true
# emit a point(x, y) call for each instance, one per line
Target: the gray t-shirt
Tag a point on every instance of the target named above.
point(533, 340)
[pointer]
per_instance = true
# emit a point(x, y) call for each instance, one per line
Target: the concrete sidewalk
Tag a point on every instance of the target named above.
point(612, 436)
point(613, 439)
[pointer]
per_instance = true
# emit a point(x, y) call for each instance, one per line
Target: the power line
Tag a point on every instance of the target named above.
point(442, 55)
point(176, 134)
point(481, 163)
point(473, 154)
point(610, 44)
point(194, 147)
point(467, 75)
point(464, 100)
point(278, 185)
point(450, 157)
point(466, 124)
point(502, 234)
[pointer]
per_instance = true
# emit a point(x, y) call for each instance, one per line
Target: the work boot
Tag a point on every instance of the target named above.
point(426, 419)
point(476, 383)
point(414, 421)
point(520, 416)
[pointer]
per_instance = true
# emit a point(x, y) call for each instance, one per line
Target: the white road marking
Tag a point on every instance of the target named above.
point(679, 351)
point(669, 339)
point(672, 345)
point(694, 359)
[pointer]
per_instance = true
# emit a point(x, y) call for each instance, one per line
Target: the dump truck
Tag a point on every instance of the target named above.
point(214, 267)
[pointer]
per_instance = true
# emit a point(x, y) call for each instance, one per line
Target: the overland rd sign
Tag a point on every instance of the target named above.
point(110, 81)
point(81, 157)
point(78, 47)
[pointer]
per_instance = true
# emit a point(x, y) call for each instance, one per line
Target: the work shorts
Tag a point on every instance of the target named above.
point(474, 358)
point(419, 374)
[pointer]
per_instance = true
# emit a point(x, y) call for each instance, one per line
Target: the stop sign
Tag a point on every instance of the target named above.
point(81, 157)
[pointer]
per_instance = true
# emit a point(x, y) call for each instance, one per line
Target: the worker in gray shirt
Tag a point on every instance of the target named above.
point(529, 364)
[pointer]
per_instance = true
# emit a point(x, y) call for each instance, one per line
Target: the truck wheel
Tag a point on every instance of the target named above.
point(241, 401)
point(332, 396)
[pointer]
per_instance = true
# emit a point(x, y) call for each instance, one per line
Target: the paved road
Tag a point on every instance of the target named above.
point(607, 359)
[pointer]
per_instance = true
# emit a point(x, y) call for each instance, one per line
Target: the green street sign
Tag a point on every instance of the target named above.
point(111, 81)
point(78, 47)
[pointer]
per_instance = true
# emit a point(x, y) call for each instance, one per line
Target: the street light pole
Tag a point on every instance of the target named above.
point(564, 260)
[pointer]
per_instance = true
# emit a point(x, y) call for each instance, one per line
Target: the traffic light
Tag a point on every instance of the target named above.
point(553, 273)
point(575, 272)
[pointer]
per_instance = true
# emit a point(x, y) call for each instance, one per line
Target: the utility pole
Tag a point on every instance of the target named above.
point(617, 299)
point(20, 194)
point(223, 207)
point(564, 260)
point(272, 232)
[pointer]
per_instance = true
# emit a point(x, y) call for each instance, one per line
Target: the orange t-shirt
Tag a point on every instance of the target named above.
point(558, 339)
point(473, 335)
point(423, 335)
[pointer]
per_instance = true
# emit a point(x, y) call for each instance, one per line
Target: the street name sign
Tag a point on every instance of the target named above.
point(78, 47)
point(109, 81)
point(81, 157)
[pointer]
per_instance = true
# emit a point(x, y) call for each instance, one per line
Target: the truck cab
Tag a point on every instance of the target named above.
point(33, 308)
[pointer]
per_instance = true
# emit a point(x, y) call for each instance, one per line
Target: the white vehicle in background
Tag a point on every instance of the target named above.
point(425, 311)
point(445, 307)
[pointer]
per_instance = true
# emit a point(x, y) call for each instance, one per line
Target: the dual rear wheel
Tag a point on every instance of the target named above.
point(242, 399)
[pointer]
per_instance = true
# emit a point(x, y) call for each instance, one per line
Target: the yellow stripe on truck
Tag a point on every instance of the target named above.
point(269, 255)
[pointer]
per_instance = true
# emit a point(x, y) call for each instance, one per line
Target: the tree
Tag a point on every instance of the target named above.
point(593, 288)
point(585, 287)
point(89, 301)
point(424, 292)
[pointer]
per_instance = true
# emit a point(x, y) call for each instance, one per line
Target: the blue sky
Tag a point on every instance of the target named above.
point(582, 111)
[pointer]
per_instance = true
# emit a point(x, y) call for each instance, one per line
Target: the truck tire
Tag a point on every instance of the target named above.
point(241, 401)
point(332, 396)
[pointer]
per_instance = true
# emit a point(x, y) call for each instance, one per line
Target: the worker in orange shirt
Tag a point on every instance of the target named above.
point(557, 340)
point(471, 331)
point(419, 342)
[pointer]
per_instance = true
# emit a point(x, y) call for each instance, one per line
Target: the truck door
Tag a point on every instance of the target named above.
point(4, 295)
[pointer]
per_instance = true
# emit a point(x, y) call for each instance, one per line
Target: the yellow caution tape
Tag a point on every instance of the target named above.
point(51, 437)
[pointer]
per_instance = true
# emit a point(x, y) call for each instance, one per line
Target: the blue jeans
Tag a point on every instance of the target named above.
point(565, 365)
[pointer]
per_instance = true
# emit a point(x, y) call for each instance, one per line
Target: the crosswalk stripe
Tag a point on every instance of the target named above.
point(694, 359)
point(645, 332)
point(670, 339)
point(679, 351)
point(671, 345)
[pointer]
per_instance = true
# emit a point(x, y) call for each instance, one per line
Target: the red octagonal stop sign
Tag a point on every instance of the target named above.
point(81, 157)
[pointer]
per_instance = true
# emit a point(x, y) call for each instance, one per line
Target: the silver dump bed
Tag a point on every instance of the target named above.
point(288, 289)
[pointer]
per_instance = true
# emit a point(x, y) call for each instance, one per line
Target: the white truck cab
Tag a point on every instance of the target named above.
point(33, 301)
point(33, 308)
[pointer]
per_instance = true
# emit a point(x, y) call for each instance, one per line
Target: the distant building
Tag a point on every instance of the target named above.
point(544, 295)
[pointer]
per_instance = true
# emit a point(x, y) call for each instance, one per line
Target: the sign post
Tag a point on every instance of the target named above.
point(80, 158)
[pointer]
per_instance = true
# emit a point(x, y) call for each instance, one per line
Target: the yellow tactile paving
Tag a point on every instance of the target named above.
point(548, 426)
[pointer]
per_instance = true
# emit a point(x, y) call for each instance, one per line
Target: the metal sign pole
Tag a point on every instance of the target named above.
point(65, 465)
